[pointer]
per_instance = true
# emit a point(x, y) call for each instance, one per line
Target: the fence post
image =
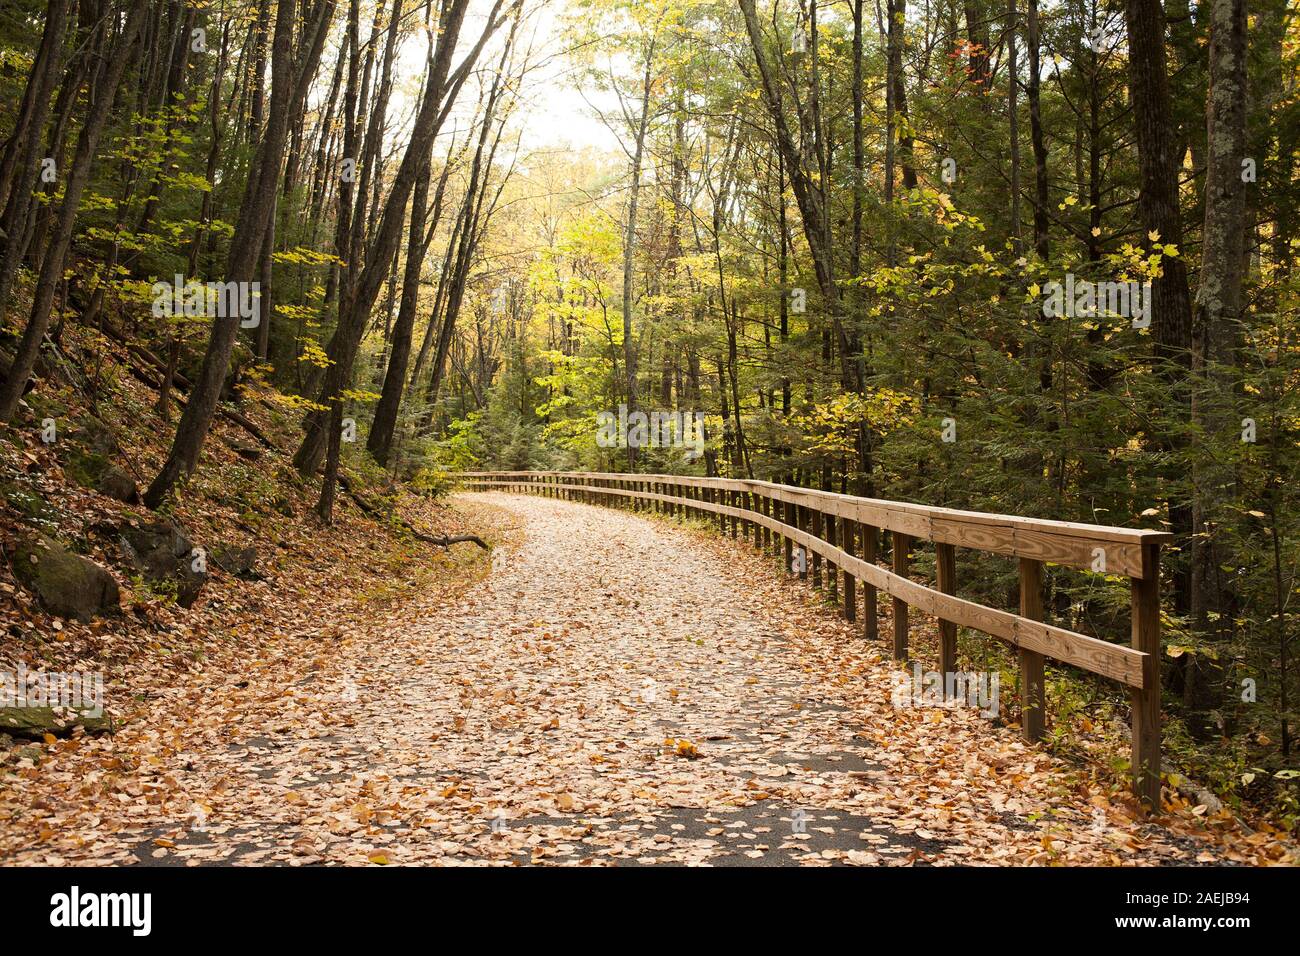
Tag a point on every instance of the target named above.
point(1033, 701)
point(901, 544)
point(801, 522)
point(787, 545)
point(848, 533)
point(814, 557)
point(945, 561)
point(1145, 600)
point(870, 608)
point(832, 569)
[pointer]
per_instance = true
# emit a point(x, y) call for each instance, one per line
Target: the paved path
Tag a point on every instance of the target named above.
point(619, 690)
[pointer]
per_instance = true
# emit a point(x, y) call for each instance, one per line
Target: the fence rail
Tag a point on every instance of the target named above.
point(844, 531)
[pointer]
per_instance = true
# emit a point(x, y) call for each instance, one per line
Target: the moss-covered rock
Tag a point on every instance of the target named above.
point(36, 722)
point(66, 584)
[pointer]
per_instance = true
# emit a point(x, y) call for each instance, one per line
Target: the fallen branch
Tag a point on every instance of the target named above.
point(442, 541)
point(448, 540)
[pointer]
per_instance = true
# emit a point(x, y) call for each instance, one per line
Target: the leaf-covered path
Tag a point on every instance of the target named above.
point(619, 690)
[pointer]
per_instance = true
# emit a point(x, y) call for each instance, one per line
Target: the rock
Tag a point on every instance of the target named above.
point(155, 548)
point(36, 722)
point(66, 584)
point(246, 451)
point(163, 553)
point(118, 485)
point(240, 562)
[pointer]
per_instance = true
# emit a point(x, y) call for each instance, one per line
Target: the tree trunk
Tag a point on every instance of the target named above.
point(1159, 162)
point(629, 247)
point(380, 440)
point(1217, 312)
point(1032, 87)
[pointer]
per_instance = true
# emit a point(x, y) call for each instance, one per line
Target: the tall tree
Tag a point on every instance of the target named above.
point(1158, 164)
point(1216, 321)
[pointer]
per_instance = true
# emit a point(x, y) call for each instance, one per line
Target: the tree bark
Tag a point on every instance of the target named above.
point(1217, 312)
point(1159, 162)
point(629, 246)
point(380, 440)
point(1032, 88)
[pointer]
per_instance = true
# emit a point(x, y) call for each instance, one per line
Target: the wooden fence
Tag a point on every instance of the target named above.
point(843, 532)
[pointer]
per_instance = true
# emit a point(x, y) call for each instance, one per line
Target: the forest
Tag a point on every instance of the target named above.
point(1027, 257)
